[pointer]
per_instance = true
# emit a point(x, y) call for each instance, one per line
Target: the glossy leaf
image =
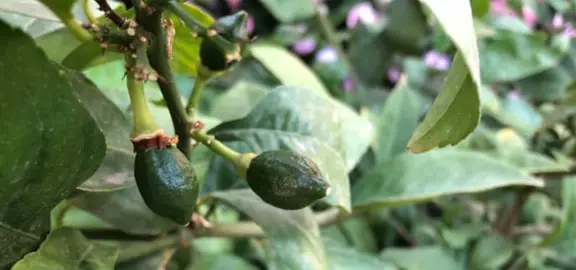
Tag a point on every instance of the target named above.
point(67, 249)
point(396, 121)
point(454, 114)
point(509, 56)
point(343, 258)
point(124, 209)
point(301, 112)
point(421, 258)
point(117, 170)
point(32, 26)
point(186, 47)
point(402, 181)
point(54, 143)
point(30, 8)
point(491, 252)
point(292, 237)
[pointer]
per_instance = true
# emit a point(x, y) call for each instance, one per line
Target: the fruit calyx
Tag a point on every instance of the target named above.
point(155, 140)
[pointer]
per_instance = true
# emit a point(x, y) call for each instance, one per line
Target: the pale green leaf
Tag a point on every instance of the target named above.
point(402, 180)
point(421, 258)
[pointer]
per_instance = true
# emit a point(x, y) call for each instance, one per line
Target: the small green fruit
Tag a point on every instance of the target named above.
point(167, 183)
point(286, 179)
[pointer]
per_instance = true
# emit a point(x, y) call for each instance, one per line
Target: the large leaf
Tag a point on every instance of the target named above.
point(238, 101)
point(421, 258)
point(292, 237)
point(287, 67)
point(117, 171)
point(51, 142)
point(396, 121)
point(186, 47)
point(29, 8)
point(454, 114)
point(124, 209)
point(509, 56)
point(62, 8)
point(302, 112)
point(34, 27)
point(67, 249)
point(403, 181)
point(343, 258)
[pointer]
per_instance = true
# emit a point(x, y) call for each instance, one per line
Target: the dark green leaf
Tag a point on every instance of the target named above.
point(548, 85)
point(344, 258)
point(124, 209)
point(186, 47)
point(563, 239)
point(421, 258)
point(454, 114)
point(53, 142)
point(509, 56)
point(491, 252)
point(402, 181)
point(396, 121)
point(67, 249)
point(406, 28)
point(292, 237)
point(117, 171)
point(370, 54)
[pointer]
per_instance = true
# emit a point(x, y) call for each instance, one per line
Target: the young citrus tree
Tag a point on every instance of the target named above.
point(161, 134)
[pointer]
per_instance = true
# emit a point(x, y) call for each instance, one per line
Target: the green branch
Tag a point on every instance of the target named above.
point(194, 98)
point(151, 21)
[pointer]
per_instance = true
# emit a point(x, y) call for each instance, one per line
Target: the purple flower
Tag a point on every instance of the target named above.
point(234, 5)
point(394, 74)
point(500, 7)
point(569, 31)
point(435, 60)
point(529, 16)
point(250, 25)
point(514, 94)
point(304, 46)
point(362, 12)
point(557, 21)
point(348, 84)
point(326, 55)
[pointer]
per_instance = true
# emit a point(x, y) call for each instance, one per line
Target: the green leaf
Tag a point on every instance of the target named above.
point(563, 238)
point(421, 258)
point(30, 8)
point(117, 170)
point(297, 111)
point(459, 27)
point(58, 44)
point(219, 261)
point(396, 121)
point(287, 67)
point(62, 8)
point(33, 26)
point(125, 210)
point(406, 28)
point(480, 7)
point(292, 237)
point(54, 143)
point(491, 252)
point(509, 56)
point(290, 11)
point(238, 100)
point(403, 181)
point(67, 249)
point(548, 85)
point(370, 53)
point(344, 258)
point(454, 114)
point(186, 47)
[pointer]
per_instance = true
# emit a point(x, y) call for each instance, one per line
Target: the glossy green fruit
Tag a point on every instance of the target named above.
point(167, 183)
point(286, 179)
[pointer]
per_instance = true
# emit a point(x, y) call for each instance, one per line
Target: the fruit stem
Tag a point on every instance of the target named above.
point(143, 122)
point(216, 146)
point(151, 21)
point(194, 98)
point(87, 12)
